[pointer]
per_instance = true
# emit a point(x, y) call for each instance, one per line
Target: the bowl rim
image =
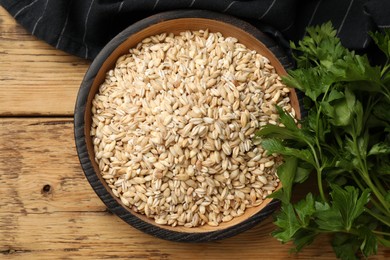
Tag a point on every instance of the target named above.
point(100, 189)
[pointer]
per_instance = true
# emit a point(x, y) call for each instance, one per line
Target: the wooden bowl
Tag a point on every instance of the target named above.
point(174, 21)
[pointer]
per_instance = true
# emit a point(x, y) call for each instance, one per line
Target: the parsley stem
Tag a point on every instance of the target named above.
point(380, 233)
point(357, 181)
point(319, 182)
point(378, 195)
point(373, 201)
point(378, 217)
point(319, 173)
point(363, 170)
point(385, 91)
point(317, 142)
point(319, 112)
point(378, 184)
point(324, 231)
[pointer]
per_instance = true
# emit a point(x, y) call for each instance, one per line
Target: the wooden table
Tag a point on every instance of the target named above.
point(48, 210)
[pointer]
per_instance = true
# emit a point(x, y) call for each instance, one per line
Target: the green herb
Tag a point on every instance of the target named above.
point(344, 140)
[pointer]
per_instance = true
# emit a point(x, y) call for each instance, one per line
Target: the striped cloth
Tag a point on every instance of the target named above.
point(84, 27)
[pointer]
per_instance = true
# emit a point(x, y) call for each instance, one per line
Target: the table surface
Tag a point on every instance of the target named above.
point(48, 210)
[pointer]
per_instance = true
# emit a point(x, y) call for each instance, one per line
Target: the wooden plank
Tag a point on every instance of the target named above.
point(67, 234)
point(35, 78)
point(39, 152)
point(69, 221)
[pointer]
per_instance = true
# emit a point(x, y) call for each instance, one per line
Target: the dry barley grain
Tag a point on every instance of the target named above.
point(172, 128)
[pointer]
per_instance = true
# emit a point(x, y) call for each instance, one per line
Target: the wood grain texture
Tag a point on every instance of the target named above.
point(35, 78)
point(47, 208)
point(35, 153)
point(69, 221)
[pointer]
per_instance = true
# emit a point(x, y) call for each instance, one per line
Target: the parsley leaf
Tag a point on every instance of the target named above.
point(345, 246)
point(344, 140)
point(275, 146)
point(349, 204)
point(288, 224)
point(305, 209)
point(382, 40)
point(286, 174)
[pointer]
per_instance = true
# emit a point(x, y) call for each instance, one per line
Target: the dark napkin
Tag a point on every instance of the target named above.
point(83, 27)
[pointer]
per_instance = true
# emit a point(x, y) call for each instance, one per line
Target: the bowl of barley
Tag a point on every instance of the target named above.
point(165, 121)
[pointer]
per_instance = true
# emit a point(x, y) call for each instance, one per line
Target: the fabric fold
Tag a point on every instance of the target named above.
point(83, 28)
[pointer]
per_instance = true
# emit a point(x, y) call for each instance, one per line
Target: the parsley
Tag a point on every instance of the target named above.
point(344, 140)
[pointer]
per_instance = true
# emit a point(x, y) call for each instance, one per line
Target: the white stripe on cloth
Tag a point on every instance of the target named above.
point(365, 43)
point(314, 12)
point(85, 28)
point(384, 26)
point(27, 6)
point(120, 6)
point(155, 4)
point(39, 19)
point(230, 5)
point(65, 24)
point(266, 12)
point(62, 32)
point(345, 17)
point(288, 27)
point(192, 3)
